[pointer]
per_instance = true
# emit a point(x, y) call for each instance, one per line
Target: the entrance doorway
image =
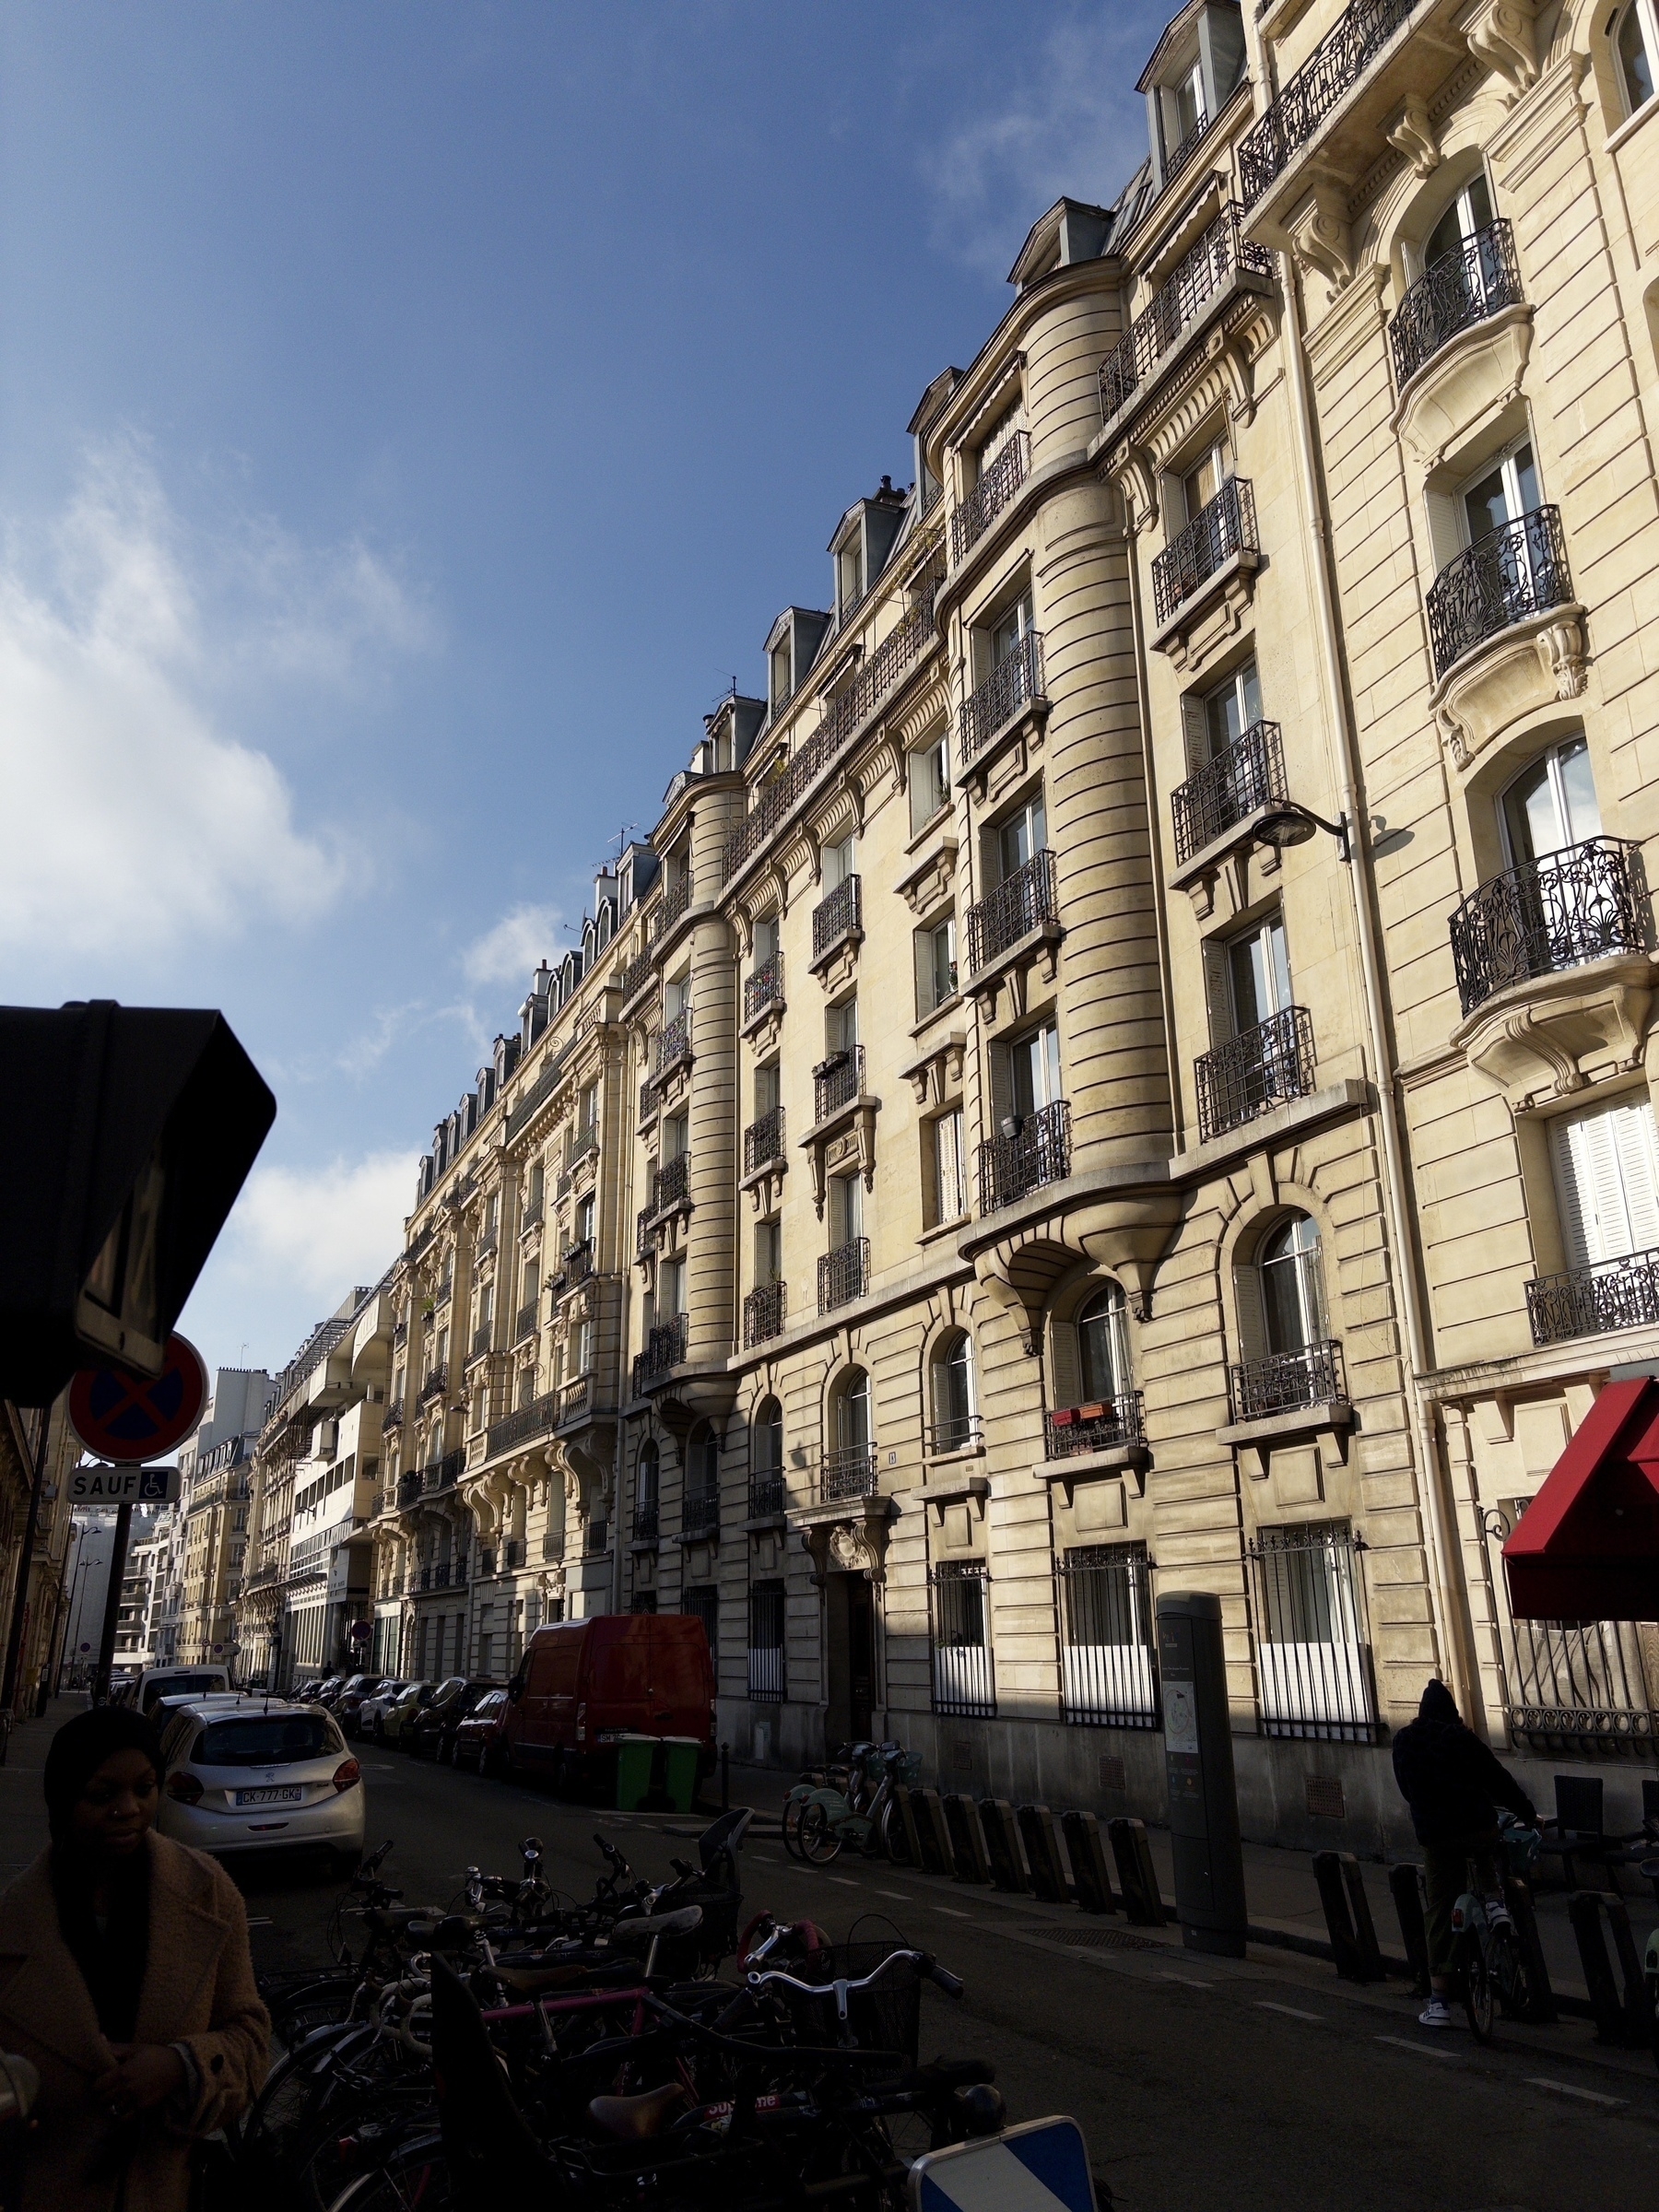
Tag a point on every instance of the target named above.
point(849, 1659)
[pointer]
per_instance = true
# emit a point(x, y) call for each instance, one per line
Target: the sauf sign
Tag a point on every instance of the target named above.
point(124, 1486)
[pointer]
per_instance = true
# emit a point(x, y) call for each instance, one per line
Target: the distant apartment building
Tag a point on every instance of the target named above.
point(206, 1554)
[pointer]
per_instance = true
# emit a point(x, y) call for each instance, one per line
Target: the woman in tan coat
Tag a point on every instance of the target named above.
point(125, 1977)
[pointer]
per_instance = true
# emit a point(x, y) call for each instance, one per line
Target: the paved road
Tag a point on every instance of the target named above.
point(1199, 2082)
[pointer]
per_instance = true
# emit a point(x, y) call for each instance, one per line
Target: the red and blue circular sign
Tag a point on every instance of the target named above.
point(127, 1417)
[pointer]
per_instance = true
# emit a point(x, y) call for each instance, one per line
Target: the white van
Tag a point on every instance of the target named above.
point(154, 1682)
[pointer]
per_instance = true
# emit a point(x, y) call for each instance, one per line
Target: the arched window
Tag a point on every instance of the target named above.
point(766, 1459)
point(1550, 806)
point(1104, 1345)
point(1638, 44)
point(849, 1465)
point(647, 1476)
point(1283, 1324)
point(955, 1411)
point(1293, 1309)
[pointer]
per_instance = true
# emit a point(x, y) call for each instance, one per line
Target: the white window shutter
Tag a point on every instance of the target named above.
point(1252, 1324)
point(1606, 1174)
point(1217, 991)
point(1194, 730)
point(1570, 1151)
point(1635, 1144)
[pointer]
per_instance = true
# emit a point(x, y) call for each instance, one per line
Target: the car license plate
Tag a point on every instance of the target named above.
point(290, 1795)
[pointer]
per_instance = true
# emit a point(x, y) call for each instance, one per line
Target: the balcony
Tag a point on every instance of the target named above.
point(524, 1321)
point(699, 1513)
point(645, 1522)
point(1196, 280)
point(400, 1334)
point(671, 1185)
point(480, 1342)
point(1591, 1302)
point(1225, 527)
point(408, 1489)
point(847, 1474)
point(763, 989)
point(1012, 689)
point(434, 1385)
point(843, 1274)
point(837, 918)
point(990, 496)
point(1019, 905)
point(514, 1429)
point(964, 1433)
point(1587, 902)
point(767, 1497)
point(1503, 578)
point(584, 1142)
point(395, 1415)
point(673, 1046)
point(664, 1349)
point(763, 1312)
point(596, 1539)
point(1104, 1426)
point(763, 1141)
point(837, 1082)
point(644, 1233)
point(1285, 1382)
point(1035, 1150)
point(488, 1241)
point(579, 1263)
point(677, 900)
point(1477, 281)
point(575, 1400)
point(514, 1552)
point(638, 973)
point(1325, 80)
point(533, 1213)
point(1248, 775)
point(1255, 1071)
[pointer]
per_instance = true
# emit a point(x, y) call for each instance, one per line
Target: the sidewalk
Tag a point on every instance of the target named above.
point(22, 1807)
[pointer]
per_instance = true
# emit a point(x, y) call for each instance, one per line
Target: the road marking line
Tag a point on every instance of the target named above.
point(845, 1880)
point(903, 1895)
point(952, 1913)
point(261, 1922)
point(1186, 1980)
point(1290, 2011)
point(1403, 2042)
point(1568, 2089)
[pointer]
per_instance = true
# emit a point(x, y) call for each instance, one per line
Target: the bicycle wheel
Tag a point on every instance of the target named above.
point(1477, 1991)
point(820, 1841)
point(413, 2178)
point(1509, 1972)
point(789, 1825)
point(890, 1827)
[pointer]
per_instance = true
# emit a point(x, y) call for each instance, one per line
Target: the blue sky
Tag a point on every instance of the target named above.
point(415, 415)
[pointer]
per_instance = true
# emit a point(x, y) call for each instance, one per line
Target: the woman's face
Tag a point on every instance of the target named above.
point(114, 1813)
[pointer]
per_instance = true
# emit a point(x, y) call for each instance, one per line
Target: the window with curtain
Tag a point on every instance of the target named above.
point(952, 1394)
point(1104, 1345)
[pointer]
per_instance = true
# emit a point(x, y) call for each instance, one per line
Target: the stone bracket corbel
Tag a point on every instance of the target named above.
point(1321, 239)
point(1410, 131)
point(1502, 35)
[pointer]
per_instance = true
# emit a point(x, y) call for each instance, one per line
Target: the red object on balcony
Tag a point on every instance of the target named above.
point(1587, 1547)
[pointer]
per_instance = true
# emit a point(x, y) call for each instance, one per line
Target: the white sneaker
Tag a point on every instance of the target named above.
point(1498, 1913)
point(1435, 2013)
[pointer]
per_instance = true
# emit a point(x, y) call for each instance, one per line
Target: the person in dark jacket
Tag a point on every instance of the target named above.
point(1453, 1785)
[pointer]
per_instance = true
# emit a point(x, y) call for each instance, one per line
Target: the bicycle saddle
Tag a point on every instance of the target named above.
point(531, 1980)
point(632, 2119)
point(683, 1922)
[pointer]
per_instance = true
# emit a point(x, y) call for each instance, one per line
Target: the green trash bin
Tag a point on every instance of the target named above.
point(681, 1757)
point(636, 1755)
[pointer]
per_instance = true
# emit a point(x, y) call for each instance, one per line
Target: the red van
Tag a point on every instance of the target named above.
point(582, 1683)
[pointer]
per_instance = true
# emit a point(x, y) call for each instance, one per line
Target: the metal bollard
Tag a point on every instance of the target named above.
point(1088, 1854)
point(1405, 1884)
point(1541, 2005)
point(1138, 1877)
point(931, 1839)
point(1619, 2019)
point(1347, 1916)
point(1001, 1844)
point(968, 1856)
point(907, 1821)
point(1043, 1854)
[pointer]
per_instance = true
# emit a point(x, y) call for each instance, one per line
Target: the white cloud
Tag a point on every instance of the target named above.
point(509, 952)
point(317, 1231)
point(137, 819)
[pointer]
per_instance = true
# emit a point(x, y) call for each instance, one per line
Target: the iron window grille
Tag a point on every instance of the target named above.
point(480, 1342)
point(837, 1082)
point(596, 1539)
point(763, 1312)
point(1108, 1651)
point(664, 1349)
point(1101, 1425)
point(514, 1428)
point(1038, 1152)
point(1249, 774)
point(579, 1263)
point(644, 1234)
point(674, 1042)
point(838, 916)
point(960, 1639)
point(435, 1384)
point(702, 1603)
point(524, 1321)
point(671, 1185)
point(1012, 687)
point(1590, 1301)
point(1255, 1071)
point(955, 1435)
point(1514, 572)
point(1323, 81)
point(766, 1643)
point(515, 1552)
point(1021, 902)
point(637, 972)
point(699, 1513)
point(849, 1472)
point(533, 1213)
point(763, 1140)
point(1585, 903)
point(1311, 1637)
point(990, 496)
point(1223, 526)
point(1284, 1380)
point(676, 899)
point(765, 1496)
point(1196, 278)
point(764, 988)
point(843, 1274)
point(645, 1522)
point(1476, 280)
point(1577, 1688)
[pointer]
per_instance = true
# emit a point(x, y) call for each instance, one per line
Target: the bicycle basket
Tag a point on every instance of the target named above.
point(886, 2017)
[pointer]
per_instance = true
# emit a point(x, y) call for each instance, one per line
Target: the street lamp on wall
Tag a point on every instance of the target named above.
point(1288, 825)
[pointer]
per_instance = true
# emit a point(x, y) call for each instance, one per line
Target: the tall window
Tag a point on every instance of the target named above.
point(1292, 1293)
point(1009, 630)
point(1001, 435)
point(841, 1027)
point(781, 684)
point(841, 860)
point(1552, 805)
point(766, 1439)
point(1104, 1345)
point(1639, 53)
point(929, 782)
point(1183, 109)
point(1204, 477)
point(769, 1254)
point(766, 1642)
point(1607, 1177)
point(1106, 1619)
point(1249, 977)
point(950, 1169)
point(951, 1391)
point(1470, 212)
point(1223, 715)
point(962, 1678)
point(1502, 494)
point(671, 1290)
point(1020, 836)
point(1310, 1641)
point(702, 1601)
point(647, 1491)
point(1034, 1070)
point(935, 966)
point(846, 1211)
point(849, 572)
point(850, 1414)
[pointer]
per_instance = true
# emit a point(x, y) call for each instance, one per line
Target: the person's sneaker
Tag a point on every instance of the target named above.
point(1498, 1913)
point(1435, 2013)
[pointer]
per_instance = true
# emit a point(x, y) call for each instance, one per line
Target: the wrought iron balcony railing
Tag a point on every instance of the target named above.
point(1175, 161)
point(1323, 81)
point(763, 1140)
point(1256, 1070)
point(1099, 1427)
point(843, 1274)
point(408, 1489)
point(1503, 578)
point(996, 486)
point(671, 1185)
point(1197, 277)
point(1590, 1301)
point(1012, 687)
point(1249, 774)
point(596, 1539)
point(644, 1234)
point(1286, 1381)
point(533, 1213)
point(481, 1337)
point(664, 1348)
point(1585, 903)
point(514, 1429)
point(400, 1334)
point(488, 1241)
point(1477, 280)
point(764, 988)
point(763, 1312)
point(957, 1434)
point(1036, 1150)
point(847, 1474)
point(523, 1322)
point(767, 1496)
point(645, 1522)
point(677, 900)
point(584, 1141)
point(836, 1081)
point(699, 1513)
point(434, 1385)
point(837, 916)
point(395, 1415)
point(1225, 527)
point(579, 1263)
point(674, 1042)
point(637, 972)
point(1020, 904)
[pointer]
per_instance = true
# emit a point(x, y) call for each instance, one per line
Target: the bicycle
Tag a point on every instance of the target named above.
point(865, 1815)
point(1487, 1962)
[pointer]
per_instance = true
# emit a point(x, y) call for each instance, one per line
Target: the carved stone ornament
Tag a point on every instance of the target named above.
point(1533, 665)
point(1500, 33)
point(936, 1075)
point(1553, 1035)
point(851, 1540)
point(849, 1138)
point(839, 965)
point(1410, 131)
point(1473, 378)
point(767, 1028)
point(927, 883)
point(1321, 239)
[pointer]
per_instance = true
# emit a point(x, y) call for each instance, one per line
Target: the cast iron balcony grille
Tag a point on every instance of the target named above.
point(1322, 82)
point(524, 1321)
point(763, 1140)
point(1011, 686)
point(450, 1468)
point(765, 1496)
point(664, 1348)
point(996, 486)
point(1589, 1301)
point(763, 1312)
point(673, 1042)
point(533, 1419)
point(837, 916)
point(847, 1474)
point(596, 1539)
point(843, 1274)
point(676, 899)
point(408, 1489)
point(582, 1143)
point(1249, 774)
point(1038, 1151)
point(1197, 277)
point(533, 1213)
point(579, 1263)
point(836, 1081)
point(644, 1236)
point(481, 1338)
point(671, 1185)
point(1175, 163)
point(575, 1401)
point(637, 973)
point(1509, 574)
point(954, 1435)
point(876, 678)
point(699, 1515)
point(1019, 905)
point(1099, 1427)
point(1585, 903)
point(764, 988)
point(645, 1524)
point(1478, 279)
point(395, 1415)
point(434, 1385)
point(1225, 527)
point(1286, 1381)
point(1255, 1071)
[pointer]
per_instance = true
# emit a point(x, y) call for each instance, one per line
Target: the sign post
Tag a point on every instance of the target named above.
point(1204, 1799)
point(106, 1642)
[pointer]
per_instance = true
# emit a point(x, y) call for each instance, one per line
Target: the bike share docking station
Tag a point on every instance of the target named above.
point(1204, 1798)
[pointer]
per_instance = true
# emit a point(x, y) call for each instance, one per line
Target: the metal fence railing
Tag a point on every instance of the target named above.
point(1258, 1069)
point(1036, 1152)
point(1588, 1301)
point(1249, 774)
point(1011, 686)
point(1511, 573)
point(1072, 1430)
point(763, 1313)
point(1284, 1380)
point(964, 1680)
point(764, 988)
point(1199, 273)
point(1478, 279)
point(836, 1081)
point(843, 1274)
point(1023, 899)
point(996, 486)
point(1586, 903)
point(1107, 1661)
point(1226, 525)
point(837, 916)
point(1323, 81)
point(1312, 1643)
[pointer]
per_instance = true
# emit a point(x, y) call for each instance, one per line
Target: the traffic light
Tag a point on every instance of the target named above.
point(129, 1132)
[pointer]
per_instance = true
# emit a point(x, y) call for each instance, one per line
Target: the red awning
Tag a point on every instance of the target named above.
point(1587, 1547)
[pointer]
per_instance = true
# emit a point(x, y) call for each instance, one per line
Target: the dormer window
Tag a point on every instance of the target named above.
point(849, 576)
point(1198, 66)
point(782, 683)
